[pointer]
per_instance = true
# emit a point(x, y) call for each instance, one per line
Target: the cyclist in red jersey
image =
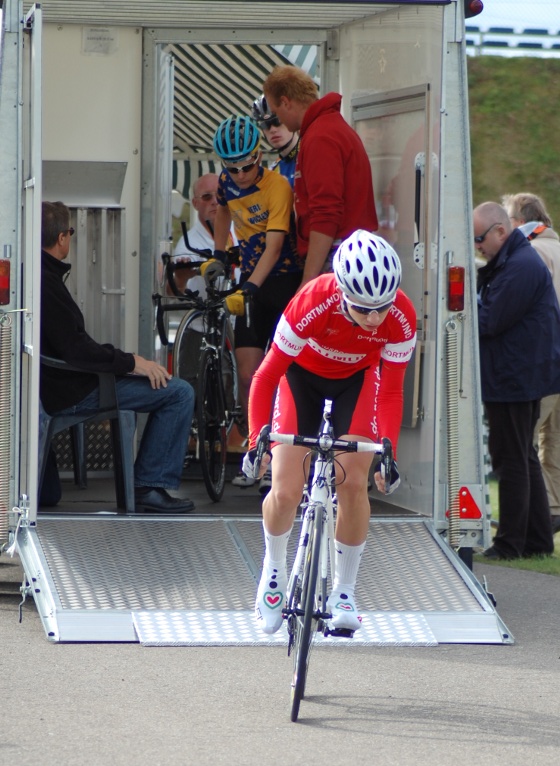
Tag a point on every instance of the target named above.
point(346, 336)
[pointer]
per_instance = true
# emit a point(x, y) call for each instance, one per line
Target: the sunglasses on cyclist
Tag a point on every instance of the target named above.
point(244, 168)
point(272, 122)
point(482, 237)
point(365, 311)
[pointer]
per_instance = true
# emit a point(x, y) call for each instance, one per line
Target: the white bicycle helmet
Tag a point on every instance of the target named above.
point(367, 269)
point(236, 138)
point(260, 111)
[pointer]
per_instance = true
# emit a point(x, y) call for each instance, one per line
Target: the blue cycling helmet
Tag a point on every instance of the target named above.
point(236, 138)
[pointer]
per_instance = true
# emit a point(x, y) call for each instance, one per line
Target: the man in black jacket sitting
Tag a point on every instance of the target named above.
point(142, 385)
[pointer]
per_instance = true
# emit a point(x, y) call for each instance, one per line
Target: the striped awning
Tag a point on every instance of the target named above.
point(212, 82)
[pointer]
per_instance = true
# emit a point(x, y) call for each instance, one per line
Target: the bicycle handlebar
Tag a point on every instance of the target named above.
point(325, 443)
point(205, 252)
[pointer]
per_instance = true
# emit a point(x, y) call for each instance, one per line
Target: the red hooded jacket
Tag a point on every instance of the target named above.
point(333, 187)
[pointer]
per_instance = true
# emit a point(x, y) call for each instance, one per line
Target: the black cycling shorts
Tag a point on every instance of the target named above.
point(265, 310)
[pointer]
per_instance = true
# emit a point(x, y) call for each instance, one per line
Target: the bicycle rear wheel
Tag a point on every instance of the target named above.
point(187, 346)
point(211, 425)
point(305, 624)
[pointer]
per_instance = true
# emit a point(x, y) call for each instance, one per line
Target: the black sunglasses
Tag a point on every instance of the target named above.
point(272, 122)
point(366, 311)
point(482, 237)
point(243, 168)
point(207, 196)
point(69, 231)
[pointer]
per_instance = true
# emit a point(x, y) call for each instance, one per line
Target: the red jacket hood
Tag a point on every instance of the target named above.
point(329, 103)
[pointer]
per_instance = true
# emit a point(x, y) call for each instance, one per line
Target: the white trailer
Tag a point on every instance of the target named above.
point(86, 115)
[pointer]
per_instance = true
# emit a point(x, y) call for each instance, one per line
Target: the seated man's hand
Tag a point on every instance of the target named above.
point(157, 374)
point(379, 476)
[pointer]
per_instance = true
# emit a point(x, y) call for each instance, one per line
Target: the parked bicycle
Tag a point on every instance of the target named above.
point(306, 604)
point(203, 354)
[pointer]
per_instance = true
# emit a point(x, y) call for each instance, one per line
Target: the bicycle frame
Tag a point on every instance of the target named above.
point(215, 411)
point(306, 603)
point(320, 497)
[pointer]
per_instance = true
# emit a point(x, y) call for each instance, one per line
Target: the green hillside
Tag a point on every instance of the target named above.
point(515, 128)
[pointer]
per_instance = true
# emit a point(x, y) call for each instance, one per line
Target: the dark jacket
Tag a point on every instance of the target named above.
point(63, 336)
point(518, 324)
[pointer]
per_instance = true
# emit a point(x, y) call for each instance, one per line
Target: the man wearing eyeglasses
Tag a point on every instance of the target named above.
point(333, 188)
point(204, 201)
point(519, 329)
point(142, 385)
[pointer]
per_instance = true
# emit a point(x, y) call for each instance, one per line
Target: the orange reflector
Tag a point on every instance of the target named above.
point(456, 288)
point(4, 282)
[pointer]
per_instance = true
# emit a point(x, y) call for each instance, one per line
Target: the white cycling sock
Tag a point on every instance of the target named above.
point(346, 565)
point(276, 546)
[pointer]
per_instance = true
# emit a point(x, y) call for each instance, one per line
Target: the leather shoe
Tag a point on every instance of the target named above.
point(158, 500)
point(494, 555)
point(555, 524)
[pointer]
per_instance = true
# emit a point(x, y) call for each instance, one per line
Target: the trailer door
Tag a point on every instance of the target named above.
point(31, 259)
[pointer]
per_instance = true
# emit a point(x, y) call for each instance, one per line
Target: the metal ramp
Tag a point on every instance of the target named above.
point(192, 581)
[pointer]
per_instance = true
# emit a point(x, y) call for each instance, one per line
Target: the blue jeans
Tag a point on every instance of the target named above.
point(161, 455)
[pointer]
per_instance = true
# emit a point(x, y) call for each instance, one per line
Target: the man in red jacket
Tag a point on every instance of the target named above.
point(333, 189)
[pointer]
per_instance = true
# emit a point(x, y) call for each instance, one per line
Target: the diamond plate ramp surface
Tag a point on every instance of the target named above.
point(223, 629)
point(132, 564)
point(192, 581)
point(402, 569)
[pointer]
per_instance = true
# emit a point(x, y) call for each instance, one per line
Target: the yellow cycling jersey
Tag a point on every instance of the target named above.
point(264, 206)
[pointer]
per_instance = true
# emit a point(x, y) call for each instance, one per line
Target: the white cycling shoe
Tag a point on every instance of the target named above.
point(342, 606)
point(271, 598)
point(243, 481)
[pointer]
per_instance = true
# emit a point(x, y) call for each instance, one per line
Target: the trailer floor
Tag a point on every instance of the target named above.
point(97, 575)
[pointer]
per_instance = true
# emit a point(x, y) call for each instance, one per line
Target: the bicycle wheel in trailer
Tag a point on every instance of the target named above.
point(187, 346)
point(211, 426)
point(305, 625)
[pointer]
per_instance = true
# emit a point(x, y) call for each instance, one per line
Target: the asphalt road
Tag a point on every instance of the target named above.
point(82, 704)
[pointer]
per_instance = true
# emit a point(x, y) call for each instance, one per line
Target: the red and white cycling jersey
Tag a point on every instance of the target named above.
point(326, 342)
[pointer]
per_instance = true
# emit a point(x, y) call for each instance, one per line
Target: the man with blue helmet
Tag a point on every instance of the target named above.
point(259, 202)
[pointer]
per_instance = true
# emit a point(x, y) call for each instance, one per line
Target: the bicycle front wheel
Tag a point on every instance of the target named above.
point(305, 624)
point(211, 425)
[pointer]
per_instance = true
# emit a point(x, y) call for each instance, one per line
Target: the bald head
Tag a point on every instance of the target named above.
point(492, 227)
point(204, 199)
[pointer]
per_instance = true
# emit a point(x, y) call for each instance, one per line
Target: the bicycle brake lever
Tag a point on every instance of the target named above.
point(387, 460)
point(263, 445)
point(248, 311)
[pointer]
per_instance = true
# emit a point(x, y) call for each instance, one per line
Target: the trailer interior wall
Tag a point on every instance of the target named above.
point(395, 58)
point(402, 73)
point(92, 113)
